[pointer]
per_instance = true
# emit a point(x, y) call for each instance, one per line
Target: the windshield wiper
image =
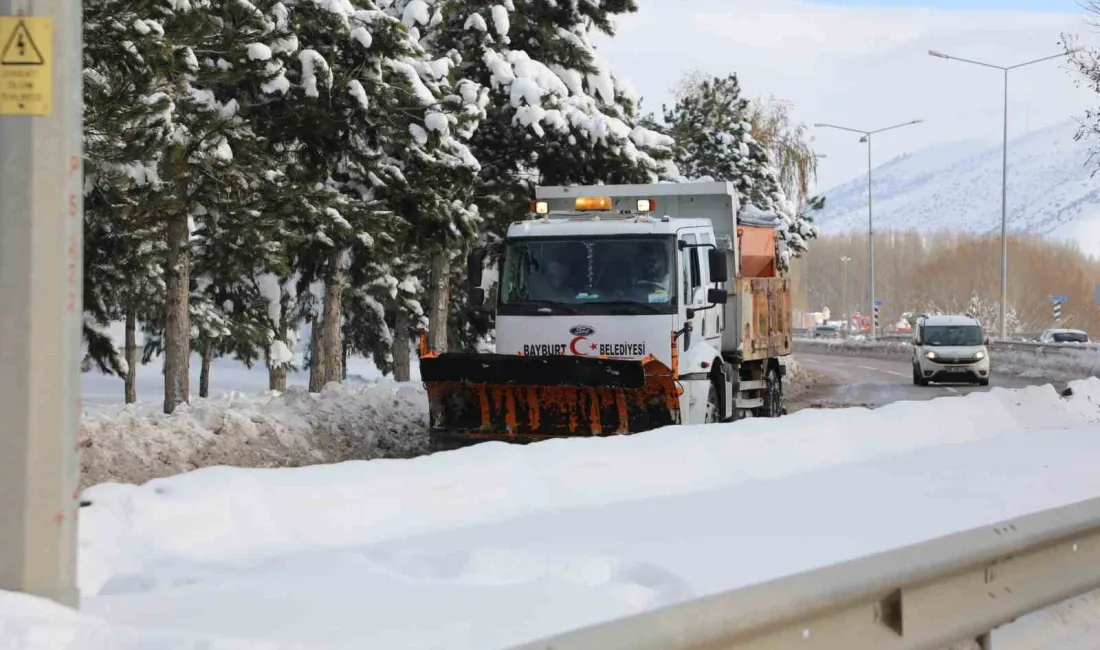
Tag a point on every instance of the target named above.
point(653, 309)
point(564, 306)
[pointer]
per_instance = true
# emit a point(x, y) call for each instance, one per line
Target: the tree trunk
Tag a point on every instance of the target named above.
point(204, 374)
point(177, 320)
point(331, 340)
point(316, 357)
point(439, 301)
point(276, 377)
point(131, 353)
point(402, 348)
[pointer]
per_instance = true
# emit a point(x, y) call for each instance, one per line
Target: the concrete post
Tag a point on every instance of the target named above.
point(41, 245)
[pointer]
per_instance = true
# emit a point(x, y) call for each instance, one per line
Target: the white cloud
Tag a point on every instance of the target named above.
point(866, 68)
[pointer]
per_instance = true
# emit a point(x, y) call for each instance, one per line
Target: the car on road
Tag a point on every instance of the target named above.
point(826, 331)
point(1064, 336)
point(950, 349)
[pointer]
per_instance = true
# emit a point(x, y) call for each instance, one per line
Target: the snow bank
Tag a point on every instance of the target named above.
point(135, 535)
point(273, 429)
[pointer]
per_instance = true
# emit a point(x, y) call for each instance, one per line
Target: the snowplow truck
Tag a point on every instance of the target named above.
point(620, 309)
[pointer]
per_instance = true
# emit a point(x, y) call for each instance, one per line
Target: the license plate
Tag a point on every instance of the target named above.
point(956, 370)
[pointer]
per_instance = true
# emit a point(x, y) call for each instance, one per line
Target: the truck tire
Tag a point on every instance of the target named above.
point(714, 406)
point(773, 395)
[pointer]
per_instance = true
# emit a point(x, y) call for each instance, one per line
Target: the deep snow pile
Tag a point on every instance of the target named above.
point(273, 429)
point(500, 544)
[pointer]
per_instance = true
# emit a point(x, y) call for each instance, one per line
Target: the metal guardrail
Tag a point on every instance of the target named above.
point(921, 597)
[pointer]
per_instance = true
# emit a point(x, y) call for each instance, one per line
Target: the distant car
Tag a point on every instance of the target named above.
point(1064, 336)
point(826, 332)
point(949, 349)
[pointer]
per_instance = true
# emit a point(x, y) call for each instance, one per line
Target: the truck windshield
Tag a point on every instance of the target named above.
point(948, 335)
point(589, 275)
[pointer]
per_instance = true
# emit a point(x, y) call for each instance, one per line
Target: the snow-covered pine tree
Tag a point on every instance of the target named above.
point(211, 155)
point(369, 127)
point(127, 123)
point(714, 140)
point(555, 113)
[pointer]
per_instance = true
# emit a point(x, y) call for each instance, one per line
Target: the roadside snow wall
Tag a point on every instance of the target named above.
point(384, 420)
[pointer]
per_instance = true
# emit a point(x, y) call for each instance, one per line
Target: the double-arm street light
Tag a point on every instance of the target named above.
point(1004, 169)
point(870, 211)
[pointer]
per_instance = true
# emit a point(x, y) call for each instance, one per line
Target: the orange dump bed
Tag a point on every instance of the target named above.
point(757, 251)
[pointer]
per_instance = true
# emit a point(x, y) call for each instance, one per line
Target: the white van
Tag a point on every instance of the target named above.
point(950, 349)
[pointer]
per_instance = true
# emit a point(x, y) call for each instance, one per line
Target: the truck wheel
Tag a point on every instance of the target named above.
point(773, 395)
point(714, 408)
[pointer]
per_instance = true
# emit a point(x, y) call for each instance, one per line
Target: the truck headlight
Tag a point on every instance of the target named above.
point(979, 356)
point(930, 354)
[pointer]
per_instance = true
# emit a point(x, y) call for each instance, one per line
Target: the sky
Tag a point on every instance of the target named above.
point(865, 65)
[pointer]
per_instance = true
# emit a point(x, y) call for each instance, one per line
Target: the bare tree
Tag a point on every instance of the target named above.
point(787, 142)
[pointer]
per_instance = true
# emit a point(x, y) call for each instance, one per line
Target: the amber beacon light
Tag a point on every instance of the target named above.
point(584, 203)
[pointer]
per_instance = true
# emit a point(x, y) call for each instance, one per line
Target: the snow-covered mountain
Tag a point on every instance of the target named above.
point(1051, 190)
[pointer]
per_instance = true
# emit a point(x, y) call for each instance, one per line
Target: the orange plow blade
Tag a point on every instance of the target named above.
point(480, 397)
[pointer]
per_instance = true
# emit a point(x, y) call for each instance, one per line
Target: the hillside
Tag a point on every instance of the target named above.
point(958, 186)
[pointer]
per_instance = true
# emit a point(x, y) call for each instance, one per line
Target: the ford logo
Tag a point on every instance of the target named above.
point(582, 330)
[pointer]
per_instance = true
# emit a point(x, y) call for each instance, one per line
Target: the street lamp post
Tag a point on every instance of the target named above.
point(870, 211)
point(1004, 169)
point(844, 299)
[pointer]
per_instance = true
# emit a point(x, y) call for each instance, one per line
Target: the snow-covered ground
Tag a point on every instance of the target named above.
point(493, 545)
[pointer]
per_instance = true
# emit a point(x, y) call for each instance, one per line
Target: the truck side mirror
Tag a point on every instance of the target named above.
point(718, 296)
point(687, 335)
point(719, 266)
point(475, 267)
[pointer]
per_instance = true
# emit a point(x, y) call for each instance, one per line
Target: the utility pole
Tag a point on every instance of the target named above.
point(1004, 166)
point(41, 246)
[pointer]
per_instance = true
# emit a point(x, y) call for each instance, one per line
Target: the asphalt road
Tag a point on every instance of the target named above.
point(861, 381)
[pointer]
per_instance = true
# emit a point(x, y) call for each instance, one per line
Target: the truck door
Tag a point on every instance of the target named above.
point(691, 283)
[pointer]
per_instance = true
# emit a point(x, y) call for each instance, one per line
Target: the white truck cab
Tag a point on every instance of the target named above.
point(950, 349)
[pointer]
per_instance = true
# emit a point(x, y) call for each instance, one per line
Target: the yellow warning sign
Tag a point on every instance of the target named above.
point(26, 65)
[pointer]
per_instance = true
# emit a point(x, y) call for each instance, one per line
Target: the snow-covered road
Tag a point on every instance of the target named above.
point(871, 381)
point(494, 545)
